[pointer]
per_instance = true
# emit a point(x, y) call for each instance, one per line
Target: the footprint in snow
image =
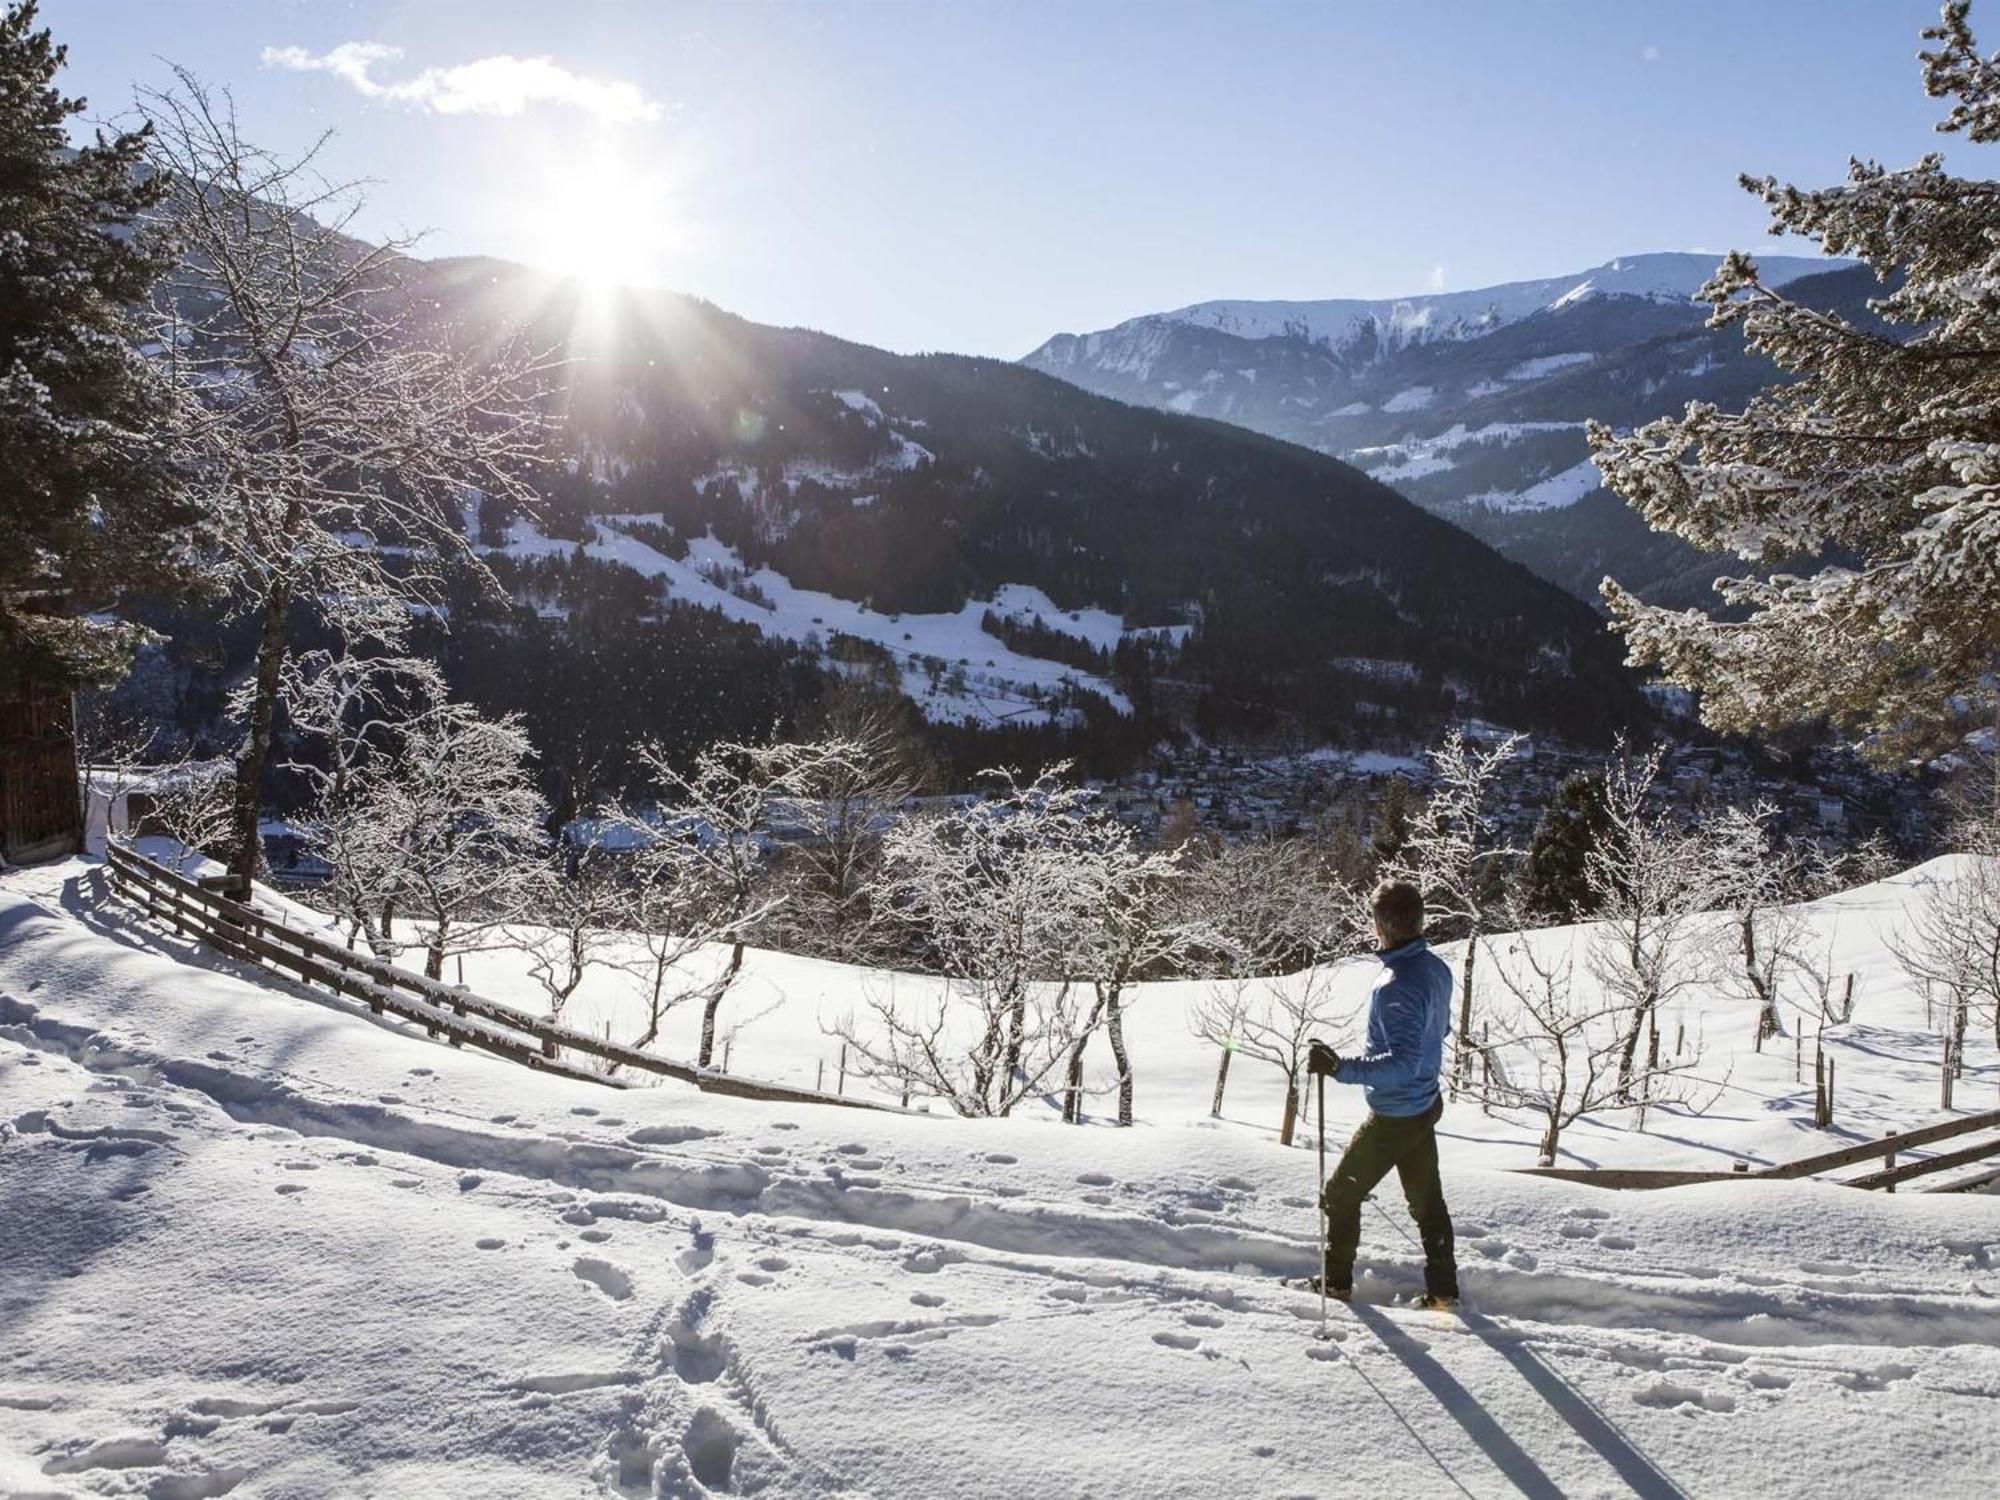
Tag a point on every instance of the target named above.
point(1521, 1260)
point(1177, 1340)
point(1665, 1394)
point(774, 1263)
point(595, 1236)
point(1001, 1158)
point(1590, 1213)
point(1094, 1179)
point(1878, 1379)
point(611, 1280)
point(1571, 1230)
point(585, 1110)
point(1201, 1320)
point(852, 1148)
point(286, 1189)
point(1615, 1241)
point(927, 1299)
point(489, 1244)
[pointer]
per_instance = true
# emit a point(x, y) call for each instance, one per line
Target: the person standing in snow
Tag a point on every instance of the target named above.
point(1409, 1016)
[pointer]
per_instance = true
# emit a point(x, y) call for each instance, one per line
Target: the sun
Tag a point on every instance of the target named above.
point(604, 222)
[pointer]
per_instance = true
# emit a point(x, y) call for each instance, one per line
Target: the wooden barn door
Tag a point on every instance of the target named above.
point(39, 813)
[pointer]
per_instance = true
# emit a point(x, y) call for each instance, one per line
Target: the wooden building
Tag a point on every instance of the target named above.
point(40, 813)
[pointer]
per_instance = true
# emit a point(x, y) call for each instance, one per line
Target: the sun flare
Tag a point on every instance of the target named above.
point(604, 223)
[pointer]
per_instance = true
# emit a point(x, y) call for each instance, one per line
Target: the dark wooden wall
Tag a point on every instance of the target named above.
point(39, 813)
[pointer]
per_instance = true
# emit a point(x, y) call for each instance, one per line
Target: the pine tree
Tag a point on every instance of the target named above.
point(1555, 880)
point(1880, 462)
point(1392, 819)
point(92, 507)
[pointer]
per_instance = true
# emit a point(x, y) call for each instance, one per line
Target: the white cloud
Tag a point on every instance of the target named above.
point(1649, 53)
point(1434, 279)
point(499, 85)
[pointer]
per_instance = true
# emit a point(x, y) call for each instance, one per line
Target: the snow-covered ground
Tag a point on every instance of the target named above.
point(256, 1242)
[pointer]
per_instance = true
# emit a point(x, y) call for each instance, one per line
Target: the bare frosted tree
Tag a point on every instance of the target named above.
point(1282, 926)
point(577, 905)
point(1652, 881)
point(720, 816)
point(1555, 1051)
point(349, 712)
point(463, 821)
point(844, 798)
point(1754, 878)
point(1452, 854)
point(1143, 927)
point(1004, 893)
point(192, 803)
point(1951, 944)
point(1250, 902)
point(322, 409)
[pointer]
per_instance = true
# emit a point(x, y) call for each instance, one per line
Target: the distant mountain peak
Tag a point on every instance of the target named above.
point(1396, 322)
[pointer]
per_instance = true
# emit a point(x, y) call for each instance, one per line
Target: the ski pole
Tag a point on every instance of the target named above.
point(1319, 1203)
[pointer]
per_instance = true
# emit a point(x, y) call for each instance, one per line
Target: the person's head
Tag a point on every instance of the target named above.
point(1398, 907)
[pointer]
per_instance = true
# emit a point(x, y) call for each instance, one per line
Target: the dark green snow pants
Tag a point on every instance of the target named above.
point(1409, 1144)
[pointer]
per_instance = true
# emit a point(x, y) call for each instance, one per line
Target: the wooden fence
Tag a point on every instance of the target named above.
point(206, 910)
point(1887, 1149)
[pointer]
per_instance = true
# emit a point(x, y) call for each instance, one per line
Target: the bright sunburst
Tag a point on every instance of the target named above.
point(604, 222)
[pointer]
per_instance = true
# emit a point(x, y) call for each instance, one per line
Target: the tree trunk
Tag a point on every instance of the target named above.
point(1465, 1013)
point(1115, 1028)
point(1017, 1020)
point(715, 1004)
point(1221, 1082)
point(1291, 1110)
point(1073, 1092)
point(248, 795)
point(1550, 1136)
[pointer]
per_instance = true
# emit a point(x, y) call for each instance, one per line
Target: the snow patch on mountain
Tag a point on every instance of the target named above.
point(950, 667)
point(1554, 493)
point(1547, 364)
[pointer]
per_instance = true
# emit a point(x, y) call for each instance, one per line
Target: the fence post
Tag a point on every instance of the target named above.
point(819, 1078)
point(842, 1087)
point(1847, 1002)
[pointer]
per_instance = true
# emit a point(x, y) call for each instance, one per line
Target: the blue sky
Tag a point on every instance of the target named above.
point(977, 176)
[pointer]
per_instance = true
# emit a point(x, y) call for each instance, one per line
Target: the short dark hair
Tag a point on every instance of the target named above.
point(1398, 907)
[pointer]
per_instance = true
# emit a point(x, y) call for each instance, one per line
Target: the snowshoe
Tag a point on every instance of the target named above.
point(1311, 1285)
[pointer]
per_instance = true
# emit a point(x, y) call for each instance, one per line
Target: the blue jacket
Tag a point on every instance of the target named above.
point(1409, 1016)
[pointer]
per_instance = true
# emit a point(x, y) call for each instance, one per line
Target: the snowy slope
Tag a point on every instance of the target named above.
point(999, 684)
point(255, 1242)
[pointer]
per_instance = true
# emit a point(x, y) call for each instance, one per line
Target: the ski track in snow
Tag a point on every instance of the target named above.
point(224, 1179)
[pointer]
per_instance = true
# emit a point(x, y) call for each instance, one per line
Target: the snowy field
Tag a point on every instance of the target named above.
point(256, 1242)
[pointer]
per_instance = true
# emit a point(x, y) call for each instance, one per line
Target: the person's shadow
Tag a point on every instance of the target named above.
point(1640, 1473)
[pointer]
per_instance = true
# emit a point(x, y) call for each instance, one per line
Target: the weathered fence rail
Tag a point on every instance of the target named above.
point(461, 1017)
point(1886, 1150)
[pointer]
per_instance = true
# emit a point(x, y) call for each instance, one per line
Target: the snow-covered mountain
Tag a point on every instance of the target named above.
point(1471, 403)
point(1379, 328)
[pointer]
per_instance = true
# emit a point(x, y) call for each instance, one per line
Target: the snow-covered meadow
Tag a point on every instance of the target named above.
point(255, 1241)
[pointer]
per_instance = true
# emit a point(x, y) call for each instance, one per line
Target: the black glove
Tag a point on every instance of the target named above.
point(1323, 1059)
